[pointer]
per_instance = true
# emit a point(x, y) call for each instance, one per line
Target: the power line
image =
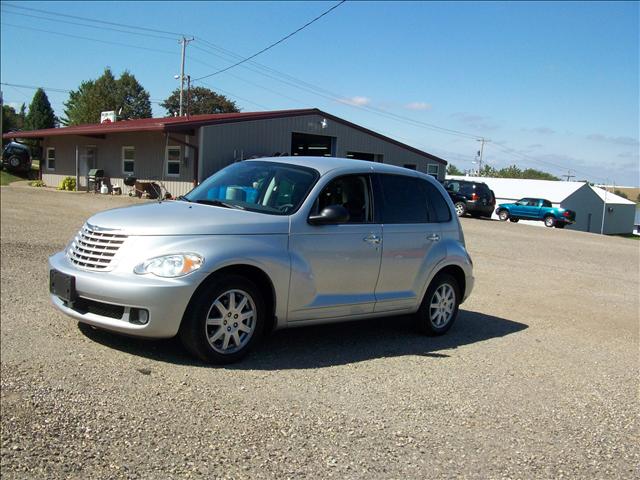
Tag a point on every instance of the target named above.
point(269, 47)
point(87, 19)
point(128, 45)
point(99, 27)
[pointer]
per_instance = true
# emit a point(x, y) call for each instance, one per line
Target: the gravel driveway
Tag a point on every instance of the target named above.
point(537, 379)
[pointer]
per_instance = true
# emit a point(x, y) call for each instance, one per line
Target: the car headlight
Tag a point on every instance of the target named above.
point(169, 266)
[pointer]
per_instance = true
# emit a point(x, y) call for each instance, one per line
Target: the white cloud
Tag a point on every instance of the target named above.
point(418, 106)
point(357, 101)
point(627, 141)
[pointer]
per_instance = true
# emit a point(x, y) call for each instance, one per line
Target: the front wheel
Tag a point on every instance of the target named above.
point(439, 307)
point(225, 321)
point(503, 215)
point(549, 221)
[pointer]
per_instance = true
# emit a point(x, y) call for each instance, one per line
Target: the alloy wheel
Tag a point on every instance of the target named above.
point(231, 321)
point(443, 303)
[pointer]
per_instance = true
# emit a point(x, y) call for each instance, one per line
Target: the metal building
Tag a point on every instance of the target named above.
point(183, 151)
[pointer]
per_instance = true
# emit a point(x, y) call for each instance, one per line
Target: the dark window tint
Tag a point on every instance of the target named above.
point(352, 192)
point(438, 207)
point(404, 199)
point(546, 203)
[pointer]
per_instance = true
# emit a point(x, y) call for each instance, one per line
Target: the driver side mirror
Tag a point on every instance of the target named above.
point(331, 215)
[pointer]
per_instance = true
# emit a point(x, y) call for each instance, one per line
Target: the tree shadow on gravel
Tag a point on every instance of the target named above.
point(329, 345)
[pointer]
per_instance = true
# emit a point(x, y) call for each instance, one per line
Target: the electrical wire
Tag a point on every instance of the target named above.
point(269, 47)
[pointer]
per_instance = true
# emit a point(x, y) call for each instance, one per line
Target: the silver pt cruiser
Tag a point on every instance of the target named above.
point(267, 244)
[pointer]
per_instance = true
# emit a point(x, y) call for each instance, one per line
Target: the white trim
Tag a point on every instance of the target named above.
point(167, 161)
point(47, 159)
point(134, 159)
point(437, 168)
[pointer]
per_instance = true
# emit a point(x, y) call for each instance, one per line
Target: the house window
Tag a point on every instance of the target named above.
point(128, 160)
point(51, 158)
point(432, 170)
point(174, 157)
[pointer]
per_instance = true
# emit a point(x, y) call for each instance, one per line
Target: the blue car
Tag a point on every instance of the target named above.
point(536, 209)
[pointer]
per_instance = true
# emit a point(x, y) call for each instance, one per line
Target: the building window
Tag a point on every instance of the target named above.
point(433, 170)
point(128, 160)
point(361, 156)
point(410, 166)
point(174, 157)
point(51, 158)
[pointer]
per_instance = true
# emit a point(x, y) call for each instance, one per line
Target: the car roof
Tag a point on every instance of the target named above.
point(328, 164)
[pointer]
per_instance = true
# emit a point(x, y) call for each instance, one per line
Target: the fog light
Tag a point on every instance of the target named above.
point(139, 316)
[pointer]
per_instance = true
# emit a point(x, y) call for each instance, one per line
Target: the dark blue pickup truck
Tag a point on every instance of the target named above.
point(536, 209)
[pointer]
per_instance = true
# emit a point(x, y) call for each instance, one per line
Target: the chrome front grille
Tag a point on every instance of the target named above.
point(94, 248)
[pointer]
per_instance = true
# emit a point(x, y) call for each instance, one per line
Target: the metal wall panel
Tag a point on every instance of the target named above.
point(227, 143)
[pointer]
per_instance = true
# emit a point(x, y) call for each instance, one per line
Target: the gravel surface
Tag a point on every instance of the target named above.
point(537, 379)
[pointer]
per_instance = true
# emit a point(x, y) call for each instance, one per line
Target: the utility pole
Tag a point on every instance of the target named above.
point(188, 95)
point(480, 153)
point(184, 42)
point(568, 176)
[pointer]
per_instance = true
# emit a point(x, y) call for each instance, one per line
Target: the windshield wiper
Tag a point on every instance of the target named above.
point(183, 198)
point(220, 203)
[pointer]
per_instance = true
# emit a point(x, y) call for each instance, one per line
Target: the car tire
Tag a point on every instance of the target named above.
point(461, 208)
point(503, 215)
point(549, 221)
point(439, 307)
point(14, 162)
point(514, 220)
point(213, 323)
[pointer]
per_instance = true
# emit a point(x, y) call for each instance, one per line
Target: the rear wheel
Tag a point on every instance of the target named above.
point(225, 321)
point(503, 215)
point(549, 221)
point(439, 307)
point(461, 208)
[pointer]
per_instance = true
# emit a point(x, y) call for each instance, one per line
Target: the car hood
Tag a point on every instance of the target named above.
point(184, 218)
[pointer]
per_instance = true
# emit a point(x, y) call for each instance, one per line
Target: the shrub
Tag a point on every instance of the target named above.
point(69, 183)
point(37, 183)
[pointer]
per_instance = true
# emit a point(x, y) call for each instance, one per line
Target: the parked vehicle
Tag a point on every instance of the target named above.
point(269, 243)
point(536, 209)
point(474, 198)
point(16, 157)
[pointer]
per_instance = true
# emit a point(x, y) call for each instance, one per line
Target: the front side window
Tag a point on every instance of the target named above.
point(128, 160)
point(51, 158)
point(174, 157)
point(404, 199)
point(353, 193)
point(264, 187)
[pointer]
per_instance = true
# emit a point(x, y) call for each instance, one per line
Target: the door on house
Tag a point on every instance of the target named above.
point(87, 161)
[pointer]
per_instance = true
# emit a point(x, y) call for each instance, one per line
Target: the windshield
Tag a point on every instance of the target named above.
point(265, 187)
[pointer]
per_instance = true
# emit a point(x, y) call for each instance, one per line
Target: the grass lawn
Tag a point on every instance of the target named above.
point(6, 178)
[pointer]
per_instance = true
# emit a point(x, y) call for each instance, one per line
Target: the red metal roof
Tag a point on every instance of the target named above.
point(165, 124)
point(181, 124)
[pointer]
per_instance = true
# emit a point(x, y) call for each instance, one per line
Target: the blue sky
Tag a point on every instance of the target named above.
point(554, 85)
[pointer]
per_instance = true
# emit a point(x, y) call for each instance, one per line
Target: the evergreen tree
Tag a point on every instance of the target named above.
point(40, 113)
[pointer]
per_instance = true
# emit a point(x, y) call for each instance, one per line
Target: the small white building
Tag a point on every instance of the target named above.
point(589, 203)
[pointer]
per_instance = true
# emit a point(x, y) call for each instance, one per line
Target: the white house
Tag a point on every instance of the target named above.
point(591, 204)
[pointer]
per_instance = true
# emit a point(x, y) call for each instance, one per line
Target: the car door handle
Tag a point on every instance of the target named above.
point(373, 239)
point(434, 237)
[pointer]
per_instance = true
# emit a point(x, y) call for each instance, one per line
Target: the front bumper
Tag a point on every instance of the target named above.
point(164, 298)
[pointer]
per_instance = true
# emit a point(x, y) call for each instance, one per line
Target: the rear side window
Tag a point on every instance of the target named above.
point(438, 207)
point(404, 199)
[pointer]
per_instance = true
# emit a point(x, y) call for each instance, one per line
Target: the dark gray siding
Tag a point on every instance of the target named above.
point(222, 145)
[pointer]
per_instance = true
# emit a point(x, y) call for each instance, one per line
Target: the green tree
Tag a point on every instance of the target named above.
point(9, 119)
point(124, 95)
point(201, 100)
point(40, 113)
point(488, 171)
point(453, 170)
